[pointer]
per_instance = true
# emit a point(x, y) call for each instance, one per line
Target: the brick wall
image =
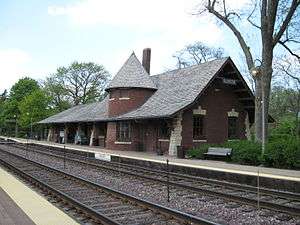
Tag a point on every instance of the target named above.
point(217, 102)
point(144, 136)
point(136, 97)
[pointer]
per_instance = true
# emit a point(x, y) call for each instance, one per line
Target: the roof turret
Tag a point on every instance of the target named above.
point(132, 75)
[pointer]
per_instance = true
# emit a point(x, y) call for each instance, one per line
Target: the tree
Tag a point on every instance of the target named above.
point(58, 95)
point(22, 88)
point(197, 53)
point(34, 107)
point(276, 22)
point(79, 83)
point(10, 110)
point(283, 101)
point(3, 98)
point(289, 75)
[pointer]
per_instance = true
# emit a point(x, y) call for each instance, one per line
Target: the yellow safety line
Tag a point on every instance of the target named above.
point(37, 208)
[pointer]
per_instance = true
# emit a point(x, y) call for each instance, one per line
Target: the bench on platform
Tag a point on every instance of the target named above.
point(218, 152)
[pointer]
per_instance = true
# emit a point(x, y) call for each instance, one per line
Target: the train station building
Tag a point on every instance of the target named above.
point(205, 103)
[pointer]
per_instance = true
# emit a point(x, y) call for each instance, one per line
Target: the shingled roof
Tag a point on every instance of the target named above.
point(132, 74)
point(96, 111)
point(176, 89)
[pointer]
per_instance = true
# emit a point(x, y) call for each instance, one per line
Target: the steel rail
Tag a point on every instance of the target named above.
point(186, 218)
point(290, 195)
point(236, 187)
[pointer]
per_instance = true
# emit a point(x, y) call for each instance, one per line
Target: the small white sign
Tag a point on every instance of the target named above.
point(103, 156)
point(229, 81)
point(61, 133)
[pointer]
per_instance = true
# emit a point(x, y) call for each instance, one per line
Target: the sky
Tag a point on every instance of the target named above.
point(37, 37)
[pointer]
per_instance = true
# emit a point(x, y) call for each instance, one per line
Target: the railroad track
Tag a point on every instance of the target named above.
point(270, 199)
point(101, 204)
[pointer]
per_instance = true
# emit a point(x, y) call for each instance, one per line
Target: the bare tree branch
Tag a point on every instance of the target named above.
point(244, 46)
point(289, 50)
point(250, 15)
point(286, 21)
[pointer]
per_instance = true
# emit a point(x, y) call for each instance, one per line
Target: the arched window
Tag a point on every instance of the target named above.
point(232, 127)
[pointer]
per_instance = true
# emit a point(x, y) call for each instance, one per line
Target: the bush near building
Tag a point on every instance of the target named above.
point(282, 149)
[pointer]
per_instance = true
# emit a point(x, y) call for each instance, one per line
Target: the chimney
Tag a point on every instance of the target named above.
point(146, 59)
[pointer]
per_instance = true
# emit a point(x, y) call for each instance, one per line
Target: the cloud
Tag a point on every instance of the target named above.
point(13, 64)
point(153, 13)
point(165, 26)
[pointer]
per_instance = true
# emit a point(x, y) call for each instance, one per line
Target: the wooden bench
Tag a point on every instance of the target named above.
point(218, 152)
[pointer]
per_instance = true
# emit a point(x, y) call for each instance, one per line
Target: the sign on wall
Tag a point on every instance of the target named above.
point(229, 81)
point(61, 133)
point(103, 156)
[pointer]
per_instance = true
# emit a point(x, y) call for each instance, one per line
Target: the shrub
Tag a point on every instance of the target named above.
point(245, 152)
point(285, 127)
point(283, 152)
point(292, 153)
point(198, 151)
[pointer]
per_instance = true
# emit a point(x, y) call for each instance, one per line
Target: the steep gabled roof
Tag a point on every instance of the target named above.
point(176, 90)
point(132, 75)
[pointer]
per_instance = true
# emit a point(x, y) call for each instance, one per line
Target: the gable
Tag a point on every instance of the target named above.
point(132, 75)
point(176, 90)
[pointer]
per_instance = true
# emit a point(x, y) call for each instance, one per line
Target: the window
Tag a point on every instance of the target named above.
point(198, 127)
point(232, 127)
point(123, 93)
point(119, 93)
point(123, 131)
point(113, 94)
point(164, 130)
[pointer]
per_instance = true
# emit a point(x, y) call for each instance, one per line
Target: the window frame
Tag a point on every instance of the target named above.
point(232, 131)
point(164, 131)
point(123, 93)
point(123, 131)
point(199, 127)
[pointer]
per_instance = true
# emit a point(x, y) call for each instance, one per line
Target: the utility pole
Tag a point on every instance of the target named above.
point(16, 126)
point(31, 127)
point(29, 114)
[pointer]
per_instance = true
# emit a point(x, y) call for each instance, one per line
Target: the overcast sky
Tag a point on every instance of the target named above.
point(39, 36)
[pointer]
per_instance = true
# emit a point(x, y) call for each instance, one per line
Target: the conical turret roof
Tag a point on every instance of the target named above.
point(132, 75)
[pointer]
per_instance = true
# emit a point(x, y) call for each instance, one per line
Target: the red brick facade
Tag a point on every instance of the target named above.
point(125, 100)
point(222, 97)
point(217, 103)
point(216, 100)
point(144, 137)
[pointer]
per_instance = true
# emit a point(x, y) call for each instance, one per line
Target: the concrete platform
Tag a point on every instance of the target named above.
point(19, 205)
point(208, 168)
point(11, 213)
